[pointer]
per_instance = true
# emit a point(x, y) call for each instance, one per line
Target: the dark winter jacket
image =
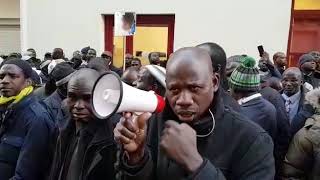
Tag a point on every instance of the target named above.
point(236, 150)
point(312, 79)
point(274, 71)
point(263, 113)
point(44, 78)
point(27, 141)
point(116, 70)
point(303, 159)
point(283, 126)
point(40, 93)
point(54, 103)
point(100, 152)
point(229, 101)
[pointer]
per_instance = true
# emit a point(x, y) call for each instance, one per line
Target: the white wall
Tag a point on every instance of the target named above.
point(9, 26)
point(9, 9)
point(239, 26)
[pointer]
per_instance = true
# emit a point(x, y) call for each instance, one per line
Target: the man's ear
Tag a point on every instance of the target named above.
point(215, 81)
point(29, 82)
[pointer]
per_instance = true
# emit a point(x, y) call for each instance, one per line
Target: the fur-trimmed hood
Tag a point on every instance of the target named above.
point(313, 98)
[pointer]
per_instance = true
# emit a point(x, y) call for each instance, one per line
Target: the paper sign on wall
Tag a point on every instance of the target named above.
point(124, 23)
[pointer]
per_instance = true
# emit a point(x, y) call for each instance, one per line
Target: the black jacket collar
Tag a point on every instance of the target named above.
point(100, 129)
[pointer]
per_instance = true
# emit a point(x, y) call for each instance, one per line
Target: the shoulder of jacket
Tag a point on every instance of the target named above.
point(313, 121)
point(37, 110)
point(241, 120)
point(312, 128)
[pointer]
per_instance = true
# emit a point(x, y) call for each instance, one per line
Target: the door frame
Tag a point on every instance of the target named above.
point(298, 15)
point(146, 20)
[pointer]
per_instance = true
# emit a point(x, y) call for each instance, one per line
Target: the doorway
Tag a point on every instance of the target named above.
point(154, 33)
point(305, 34)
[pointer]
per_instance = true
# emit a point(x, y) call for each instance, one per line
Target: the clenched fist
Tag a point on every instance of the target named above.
point(179, 142)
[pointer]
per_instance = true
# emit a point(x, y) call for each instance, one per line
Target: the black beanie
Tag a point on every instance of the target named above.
point(25, 66)
point(35, 78)
point(62, 73)
point(305, 58)
point(85, 50)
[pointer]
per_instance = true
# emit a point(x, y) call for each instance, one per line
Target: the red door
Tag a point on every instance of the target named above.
point(305, 34)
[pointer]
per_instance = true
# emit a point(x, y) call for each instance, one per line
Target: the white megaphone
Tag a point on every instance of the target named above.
point(110, 95)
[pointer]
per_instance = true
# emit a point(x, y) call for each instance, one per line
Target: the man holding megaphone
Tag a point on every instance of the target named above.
point(196, 136)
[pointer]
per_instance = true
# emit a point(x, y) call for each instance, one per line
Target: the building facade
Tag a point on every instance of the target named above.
point(238, 26)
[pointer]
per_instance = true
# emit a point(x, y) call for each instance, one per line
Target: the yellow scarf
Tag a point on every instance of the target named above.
point(23, 93)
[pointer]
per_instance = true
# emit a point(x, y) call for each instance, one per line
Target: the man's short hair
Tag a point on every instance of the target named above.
point(57, 53)
point(276, 55)
point(218, 57)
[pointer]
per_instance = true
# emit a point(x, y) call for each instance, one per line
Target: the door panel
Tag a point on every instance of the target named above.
point(150, 39)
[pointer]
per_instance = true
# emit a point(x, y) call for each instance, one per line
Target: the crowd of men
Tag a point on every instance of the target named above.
point(225, 118)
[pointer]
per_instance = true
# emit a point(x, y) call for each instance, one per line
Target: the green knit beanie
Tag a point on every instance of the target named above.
point(245, 77)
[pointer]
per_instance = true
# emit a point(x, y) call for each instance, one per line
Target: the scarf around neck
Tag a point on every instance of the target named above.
point(15, 99)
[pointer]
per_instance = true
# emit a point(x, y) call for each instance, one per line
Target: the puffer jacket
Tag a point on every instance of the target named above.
point(303, 158)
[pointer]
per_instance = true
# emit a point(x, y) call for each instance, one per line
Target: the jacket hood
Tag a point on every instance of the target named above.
point(313, 98)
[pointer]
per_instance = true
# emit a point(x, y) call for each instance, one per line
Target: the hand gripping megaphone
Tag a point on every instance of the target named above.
point(110, 95)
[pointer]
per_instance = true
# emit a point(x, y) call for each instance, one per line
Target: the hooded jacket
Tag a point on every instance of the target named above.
point(303, 158)
point(236, 150)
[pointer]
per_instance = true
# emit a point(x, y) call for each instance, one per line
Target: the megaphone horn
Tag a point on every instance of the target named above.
point(110, 95)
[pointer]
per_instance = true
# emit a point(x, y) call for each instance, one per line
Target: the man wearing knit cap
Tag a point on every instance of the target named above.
point(27, 133)
point(308, 66)
point(61, 74)
point(244, 83)
point(245, 87)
